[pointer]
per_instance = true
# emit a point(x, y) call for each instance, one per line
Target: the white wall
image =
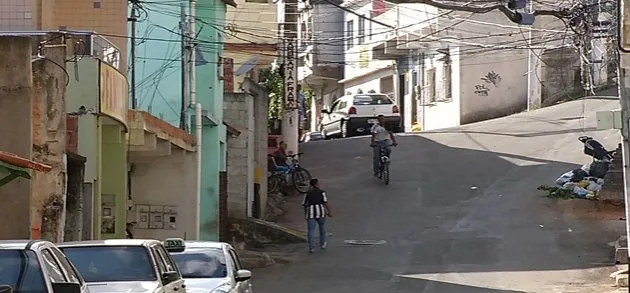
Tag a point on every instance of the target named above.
point(368, 82)
point(443, 114)
point(170, 181)
point(481, 99)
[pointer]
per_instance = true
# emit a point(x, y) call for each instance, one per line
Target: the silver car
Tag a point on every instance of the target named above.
point(37, 266)
point(125, 265)
point(210, 267)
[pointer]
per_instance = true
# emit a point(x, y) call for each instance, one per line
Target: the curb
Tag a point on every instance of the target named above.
point(276, 233)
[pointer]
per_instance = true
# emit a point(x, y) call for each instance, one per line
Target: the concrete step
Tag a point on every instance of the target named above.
point(621, 250)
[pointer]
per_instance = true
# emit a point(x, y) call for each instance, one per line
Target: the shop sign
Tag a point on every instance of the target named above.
point(114, 94)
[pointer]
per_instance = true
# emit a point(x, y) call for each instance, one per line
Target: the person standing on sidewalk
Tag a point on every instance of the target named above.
point(316, 209)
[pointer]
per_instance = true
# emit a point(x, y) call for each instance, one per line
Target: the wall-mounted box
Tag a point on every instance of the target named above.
point(609, 119)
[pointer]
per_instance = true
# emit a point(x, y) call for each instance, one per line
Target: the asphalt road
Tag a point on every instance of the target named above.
point(442, 234)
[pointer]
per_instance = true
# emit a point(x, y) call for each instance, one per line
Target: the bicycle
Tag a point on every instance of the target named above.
point(300, 177)
point(383, 168)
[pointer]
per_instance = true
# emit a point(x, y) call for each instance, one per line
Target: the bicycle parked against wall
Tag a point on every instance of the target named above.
point(293, 173)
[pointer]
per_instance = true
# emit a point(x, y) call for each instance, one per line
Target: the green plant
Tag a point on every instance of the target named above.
point(272, 81)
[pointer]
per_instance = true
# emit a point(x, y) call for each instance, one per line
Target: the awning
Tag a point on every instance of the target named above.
point(231, 130)
point(230, 2)
point(17, 167)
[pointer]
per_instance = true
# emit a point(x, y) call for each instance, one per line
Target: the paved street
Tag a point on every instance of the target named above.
point(444, 236)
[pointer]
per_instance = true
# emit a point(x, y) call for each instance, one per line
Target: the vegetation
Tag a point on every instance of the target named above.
point(272, 81)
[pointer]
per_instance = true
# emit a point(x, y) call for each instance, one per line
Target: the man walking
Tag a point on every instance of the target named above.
point(316, 209)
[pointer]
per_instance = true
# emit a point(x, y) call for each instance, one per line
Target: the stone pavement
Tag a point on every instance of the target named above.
point(461, 214)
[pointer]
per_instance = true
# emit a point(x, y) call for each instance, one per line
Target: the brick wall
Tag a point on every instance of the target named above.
point(72, 133)
point(223, 208)
point(235, 113)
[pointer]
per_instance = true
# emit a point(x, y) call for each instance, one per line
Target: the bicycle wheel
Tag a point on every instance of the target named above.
point(385, 172)
point(301, 180)
point(274, 184)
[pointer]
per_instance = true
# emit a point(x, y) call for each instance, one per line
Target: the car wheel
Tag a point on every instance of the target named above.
point(323, 131)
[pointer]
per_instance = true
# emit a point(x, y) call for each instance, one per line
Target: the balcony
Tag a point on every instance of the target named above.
point(399, 44)
point(81, 43)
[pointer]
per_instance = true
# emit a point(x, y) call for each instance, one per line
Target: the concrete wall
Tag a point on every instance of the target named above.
point(236, 114)
point(561, 73)
point(113, 197)
point(177, 191)
point(209, 94)
point(492, 85)
point(441, 113)
point(328, 24)
point(49, 144)
point(83, 91)
point(16, 91)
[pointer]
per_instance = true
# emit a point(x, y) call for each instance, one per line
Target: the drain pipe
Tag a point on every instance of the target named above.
point(251, 126)
point(198, 130)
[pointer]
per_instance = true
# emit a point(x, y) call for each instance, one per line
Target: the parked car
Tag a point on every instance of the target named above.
point(34, 266)
point(125, 265)
point(355, 114)
point(312, 136)
point(210, 266)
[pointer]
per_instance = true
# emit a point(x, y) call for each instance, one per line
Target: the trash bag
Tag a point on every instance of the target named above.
point(578, 175)
point(583, 193)
point(594, 187)
point(564, 178)
point(586, 167)
point(595, 149)
point(599, 181)
point(599, 169)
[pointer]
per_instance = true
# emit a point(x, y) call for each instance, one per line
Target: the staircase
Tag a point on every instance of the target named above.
point(613, 181)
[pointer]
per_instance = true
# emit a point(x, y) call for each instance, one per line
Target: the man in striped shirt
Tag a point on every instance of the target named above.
point(315, 211)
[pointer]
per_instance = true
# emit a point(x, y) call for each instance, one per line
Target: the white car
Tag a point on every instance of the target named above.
point(210, 266)
point(37, 266)
point(355, 114)
point(125, 265)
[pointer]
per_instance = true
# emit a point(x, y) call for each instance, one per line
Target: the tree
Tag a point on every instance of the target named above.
point(272, 81)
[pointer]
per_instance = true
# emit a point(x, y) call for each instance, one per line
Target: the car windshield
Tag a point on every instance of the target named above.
point(372, 100)
point(20, 269)
point(206, 263)
point(112, 263)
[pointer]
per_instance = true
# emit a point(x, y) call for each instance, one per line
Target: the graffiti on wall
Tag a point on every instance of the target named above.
point(491, 78)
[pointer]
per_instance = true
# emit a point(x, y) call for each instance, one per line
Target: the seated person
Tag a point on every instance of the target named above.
point(280, 157)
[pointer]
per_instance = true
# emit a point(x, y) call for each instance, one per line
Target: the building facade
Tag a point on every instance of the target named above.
point(251, 43)
point(106, 17)
point(320, 54)
point(446, 68)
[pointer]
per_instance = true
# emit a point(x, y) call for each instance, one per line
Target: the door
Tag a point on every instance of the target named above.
point(53, 271)
point(176, 285)
point(339, 113)
point(244, 286)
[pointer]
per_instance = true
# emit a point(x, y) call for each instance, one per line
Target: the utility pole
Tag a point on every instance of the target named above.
point(133, 18)
point(290, 120)
point(183, 26)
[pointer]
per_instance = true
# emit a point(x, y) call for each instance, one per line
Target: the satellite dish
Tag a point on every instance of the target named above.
point(247, 65)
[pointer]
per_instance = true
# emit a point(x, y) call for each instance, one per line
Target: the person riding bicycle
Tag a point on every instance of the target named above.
point(381, 137)
point(280, 157)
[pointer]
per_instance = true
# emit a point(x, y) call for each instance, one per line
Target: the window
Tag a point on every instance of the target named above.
point(430, 85)
point(447, 81)
point(235, 261)
point(112, 263)
point(16, 263)
point(350, 34)
point(207, 263)
point(170, 266)
point(55, 273)
point(257, 1)
point(361, 100)
point(161, 264)
point(361, 32)
point(72, 274)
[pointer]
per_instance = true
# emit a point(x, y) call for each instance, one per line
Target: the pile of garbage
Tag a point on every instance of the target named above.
point(588, 180)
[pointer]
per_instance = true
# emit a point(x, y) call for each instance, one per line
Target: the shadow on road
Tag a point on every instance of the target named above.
point(446, 210)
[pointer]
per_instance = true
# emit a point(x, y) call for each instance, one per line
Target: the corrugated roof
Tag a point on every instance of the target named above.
point(18, 161)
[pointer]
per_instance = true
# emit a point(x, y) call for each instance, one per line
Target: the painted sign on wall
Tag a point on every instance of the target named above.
point(491, 78)
point(114, 94)
point(290, 74)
